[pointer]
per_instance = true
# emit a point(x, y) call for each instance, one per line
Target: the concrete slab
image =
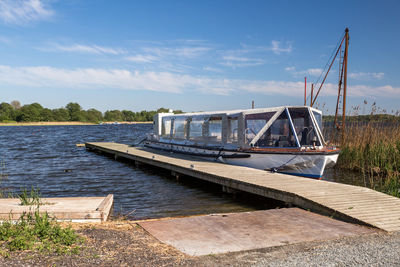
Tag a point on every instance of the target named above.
point(75, 209)
point(222, 233)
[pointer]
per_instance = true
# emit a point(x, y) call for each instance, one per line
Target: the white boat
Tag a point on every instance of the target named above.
point(284, 139)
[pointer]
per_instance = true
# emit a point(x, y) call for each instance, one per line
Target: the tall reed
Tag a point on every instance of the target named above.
point(373, 148)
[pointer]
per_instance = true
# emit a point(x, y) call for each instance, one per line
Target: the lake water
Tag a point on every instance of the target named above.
point(47, 157)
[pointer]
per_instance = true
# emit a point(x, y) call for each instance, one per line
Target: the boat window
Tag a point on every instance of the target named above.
point(280, 134)
point(195, 129)
point(166, 127)
point(232, 130)
point(318, 118)
point(215, 129)
point(179, 128)
point(304, 127)
point(255, 122)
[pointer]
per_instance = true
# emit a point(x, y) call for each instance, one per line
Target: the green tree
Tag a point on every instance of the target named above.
point(163, 110)
point(128, 115)
point(150, 115)
point(75, 112)
point(30, 112)
point(7, 112)
point(93, 115)
point(113, 115)
point(61, 114)
point(46, 115)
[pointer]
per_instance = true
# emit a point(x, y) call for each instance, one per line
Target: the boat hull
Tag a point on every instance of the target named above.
point(307, 164)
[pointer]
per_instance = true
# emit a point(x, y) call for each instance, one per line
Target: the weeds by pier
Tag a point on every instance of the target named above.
point(373, 149)
point(35, 231)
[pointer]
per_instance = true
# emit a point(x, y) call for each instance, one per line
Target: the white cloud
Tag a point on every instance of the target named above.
point(365, 90)
point(142, 58)
point(366, 75)
point(49, 77)
point(238, 61)
point(314, 72)
point(234, 58)
point(212, 69)
point(173, 57)
point(182, 52)
point(91, 49)
point(307, 72)
point(23, 11)
point(278, 49)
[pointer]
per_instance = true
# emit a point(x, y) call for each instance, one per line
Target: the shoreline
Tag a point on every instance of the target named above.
point(67, 123)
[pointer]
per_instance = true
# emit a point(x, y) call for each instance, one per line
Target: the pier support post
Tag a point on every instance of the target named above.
point(228, 190)
point(176, 175)
point(289, 204)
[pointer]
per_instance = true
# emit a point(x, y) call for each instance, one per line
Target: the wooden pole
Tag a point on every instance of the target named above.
point(305, 91)
point(345, 84)
point(312, 92)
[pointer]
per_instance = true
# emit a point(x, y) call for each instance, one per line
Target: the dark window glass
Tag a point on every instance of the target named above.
point(306, 133)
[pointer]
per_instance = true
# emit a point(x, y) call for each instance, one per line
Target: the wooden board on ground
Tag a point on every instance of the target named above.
point(222, 233)
point(75, 209)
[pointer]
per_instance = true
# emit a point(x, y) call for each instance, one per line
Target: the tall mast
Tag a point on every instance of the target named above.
point(345, 83)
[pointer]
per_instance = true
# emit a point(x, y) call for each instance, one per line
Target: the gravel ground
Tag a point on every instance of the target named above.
point(368, 250)
point(126, 244)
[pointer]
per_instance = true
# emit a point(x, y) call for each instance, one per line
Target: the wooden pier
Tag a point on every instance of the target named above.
point(346, 202)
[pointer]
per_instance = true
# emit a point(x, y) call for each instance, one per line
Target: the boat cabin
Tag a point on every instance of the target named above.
point(284, 127)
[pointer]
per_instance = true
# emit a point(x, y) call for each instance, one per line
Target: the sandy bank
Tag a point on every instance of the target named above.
point(45, 123)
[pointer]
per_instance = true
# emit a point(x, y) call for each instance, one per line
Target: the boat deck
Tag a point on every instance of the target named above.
point(346, 202)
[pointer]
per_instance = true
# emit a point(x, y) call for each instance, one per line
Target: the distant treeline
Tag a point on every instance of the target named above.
point(10, 112)
point(366, 118)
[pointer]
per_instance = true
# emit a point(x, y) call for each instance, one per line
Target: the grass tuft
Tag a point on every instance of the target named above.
point(35, 231)
point(30, 198)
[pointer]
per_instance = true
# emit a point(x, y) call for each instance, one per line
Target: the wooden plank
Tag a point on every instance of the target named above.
point(367, 206)
point(69, 208)
point(344, 196)
point(105, 207)
point(370, 212)
point(361, 199)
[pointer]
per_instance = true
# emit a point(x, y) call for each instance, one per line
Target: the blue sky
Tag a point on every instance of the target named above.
point(195, 55)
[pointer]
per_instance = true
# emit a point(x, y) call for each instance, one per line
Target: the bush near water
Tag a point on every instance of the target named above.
point(35, 112)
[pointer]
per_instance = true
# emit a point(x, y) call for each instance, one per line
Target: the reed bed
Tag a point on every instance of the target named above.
point(373, 149)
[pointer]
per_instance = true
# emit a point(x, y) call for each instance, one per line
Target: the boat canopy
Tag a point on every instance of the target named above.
point(288, 126)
